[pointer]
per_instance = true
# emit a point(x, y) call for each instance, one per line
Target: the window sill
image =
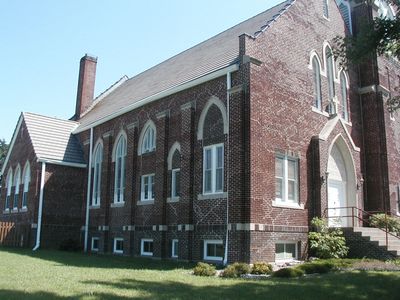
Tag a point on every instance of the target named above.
point(347, 122)
point(212, 196)
point(318, 111)
point(118, 204)
point(145, 202)
point(213, 259)
point(146, 254)
point(23, 209)
point(14, 210)
point(172, 199)
point(287, 205)
point(97, 206)
point(6, 211)
point(115, 252)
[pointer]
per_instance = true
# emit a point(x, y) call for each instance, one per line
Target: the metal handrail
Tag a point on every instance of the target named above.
point(362, 219)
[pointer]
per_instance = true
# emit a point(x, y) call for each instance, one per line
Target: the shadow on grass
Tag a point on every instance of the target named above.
point(18, 295)
point(356, 285)
point(78, 259)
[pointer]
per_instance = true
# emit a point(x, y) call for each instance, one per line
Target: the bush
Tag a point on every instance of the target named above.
point(288, 273)
point(204, 269)
point(70, 245)
point(235, 270)
point(260, 268)
point(316, 267)
point(327, 243)
point(379, 221)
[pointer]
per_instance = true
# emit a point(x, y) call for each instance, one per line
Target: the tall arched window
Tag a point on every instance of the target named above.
point(26, 181)
point(9, 186)
point(343, 89)
point(330, 72)
point(97, 160)
point(17, 182)
point(119, 183)
point(174, 168)
point(149, 139)
point(325, 8)
point(317, 83)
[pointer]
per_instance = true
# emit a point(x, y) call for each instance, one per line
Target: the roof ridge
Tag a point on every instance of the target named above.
point(275, 17)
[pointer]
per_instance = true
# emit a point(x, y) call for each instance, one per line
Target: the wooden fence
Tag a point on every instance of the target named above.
point(14, 235)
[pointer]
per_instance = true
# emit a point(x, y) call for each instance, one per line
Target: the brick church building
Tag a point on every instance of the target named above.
point(221, 153)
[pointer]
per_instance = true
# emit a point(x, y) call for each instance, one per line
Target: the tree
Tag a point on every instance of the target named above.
point(3, 151)
point(379, 37)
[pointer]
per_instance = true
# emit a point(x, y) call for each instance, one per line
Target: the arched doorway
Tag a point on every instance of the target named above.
point(341, 184)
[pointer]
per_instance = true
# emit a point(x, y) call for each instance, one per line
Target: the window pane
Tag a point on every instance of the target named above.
point(279, 167)
point(291, 190)
point(207, 181)
point(210, 249)
point(279, 251)
point(177, 183)
point(208, 159)
point(290, 251)
point(278, 188)
point(146, 187)
point(220, 157)
point(219, 180)
point(219, 250)
point(152, 186)
point(291, 169)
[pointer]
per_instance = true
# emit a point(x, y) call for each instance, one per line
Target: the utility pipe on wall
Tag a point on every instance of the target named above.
point(88, 190)
point(40, 210)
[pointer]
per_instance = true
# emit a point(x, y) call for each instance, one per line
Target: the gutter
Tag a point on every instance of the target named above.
point(88, 191)
point(40, 210)
point(162, 94)
point(61, 163)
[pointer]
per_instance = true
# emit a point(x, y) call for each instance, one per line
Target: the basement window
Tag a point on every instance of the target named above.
point(95, 244)
point(285, 251)
point(213, 250)
point(174, 250)
point(118, 245)
point(146, 247)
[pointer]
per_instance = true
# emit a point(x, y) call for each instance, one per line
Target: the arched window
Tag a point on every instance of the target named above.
point(26, 181)
point(97, 160)
point(17, 182)
point(343, 103)
point(149, 138)
point(9, 183)
point(174, 167)
point(120, 153)
point(325, 8)
point(317, 83)
point(330, 72)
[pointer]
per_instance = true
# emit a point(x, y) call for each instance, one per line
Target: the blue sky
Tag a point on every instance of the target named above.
point(43, 40)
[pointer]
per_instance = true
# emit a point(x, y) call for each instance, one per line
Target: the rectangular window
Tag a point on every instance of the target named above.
point(285, 251)
point(174, 250)
point(146, 247)
point(118, 245)
point(24, 199)
point(213, 169)
point(147, 187)
point(16, 199)
point(213, 250)
point(286, 180)
point(175, 183)
point(95, 244)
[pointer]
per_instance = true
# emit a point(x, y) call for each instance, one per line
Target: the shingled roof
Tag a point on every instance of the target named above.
point(207, 57)
point(52, 139)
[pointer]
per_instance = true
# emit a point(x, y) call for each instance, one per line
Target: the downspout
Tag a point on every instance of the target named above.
point(40, 210)
point(228, 87)
point(88, 191)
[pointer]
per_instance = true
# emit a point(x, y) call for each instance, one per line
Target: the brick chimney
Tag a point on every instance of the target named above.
point(87, 77)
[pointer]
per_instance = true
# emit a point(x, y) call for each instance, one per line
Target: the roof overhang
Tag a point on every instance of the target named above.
point(162, 94)
point(10, 148)
point(61, 163)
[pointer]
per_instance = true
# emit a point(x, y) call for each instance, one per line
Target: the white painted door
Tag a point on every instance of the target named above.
point(336, 200)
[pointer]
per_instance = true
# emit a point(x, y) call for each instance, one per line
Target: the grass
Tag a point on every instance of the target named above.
point(62, 275)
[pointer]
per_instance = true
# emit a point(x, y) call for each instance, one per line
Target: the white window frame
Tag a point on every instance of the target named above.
point(145, 253)
point(120, 155)
point(9, 184)
point(92, 244)
point(115, 250)
point(26, 181)
point(284, 245)
point(174, 194)
point(149, 139)
point(207, 257)
point(175, 248)
point(213, 169)
point(97, 164)
point(285, 180)
point(17, 183)
point(150, 191)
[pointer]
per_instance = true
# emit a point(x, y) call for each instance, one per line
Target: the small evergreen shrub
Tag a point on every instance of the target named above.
point(235, 270)
point(204, 269)
point(325, 243)
point(316, 267)
point(261, 268)
point(380, 221)
point(288, 273)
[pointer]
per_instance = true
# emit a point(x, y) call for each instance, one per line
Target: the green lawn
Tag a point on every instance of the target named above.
point(63, 275)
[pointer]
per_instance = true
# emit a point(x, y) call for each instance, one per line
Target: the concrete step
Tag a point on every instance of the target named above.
point(378, 236)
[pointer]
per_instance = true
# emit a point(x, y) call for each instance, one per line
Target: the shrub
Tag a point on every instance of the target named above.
point(327, 243)
point(380, 221)
point(204, 269)
point(70, 245)
point(288, 273)
point(235, 270)
point(316, 267)
point(260, 268)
